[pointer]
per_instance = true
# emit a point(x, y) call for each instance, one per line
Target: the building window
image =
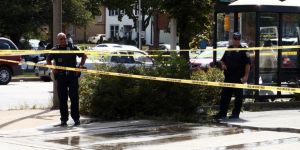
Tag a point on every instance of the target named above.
point(113, 12)
point(114, 31)
point(116, 12)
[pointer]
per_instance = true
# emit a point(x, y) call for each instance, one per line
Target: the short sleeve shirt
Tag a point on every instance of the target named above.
point(235, 62)
point(65, 60)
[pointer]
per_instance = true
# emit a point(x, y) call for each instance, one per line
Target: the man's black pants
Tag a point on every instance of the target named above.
point(67, 85)
point(226, 95)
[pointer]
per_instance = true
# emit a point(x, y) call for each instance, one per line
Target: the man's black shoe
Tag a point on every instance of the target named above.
point(77, 123)
point(63, 124)
point(234, 117)
point(219, 118)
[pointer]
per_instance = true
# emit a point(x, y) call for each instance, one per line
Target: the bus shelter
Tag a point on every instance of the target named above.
point(268, 23)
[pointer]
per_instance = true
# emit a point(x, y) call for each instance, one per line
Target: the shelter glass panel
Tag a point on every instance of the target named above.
point(290, 57)
point(268, 57)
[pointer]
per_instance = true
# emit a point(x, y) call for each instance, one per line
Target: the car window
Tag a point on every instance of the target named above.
point(162, 47)
point(5, 45)
point(101, 46)
point(122, 59)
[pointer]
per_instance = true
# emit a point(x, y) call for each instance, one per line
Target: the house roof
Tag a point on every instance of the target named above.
point(287, 6)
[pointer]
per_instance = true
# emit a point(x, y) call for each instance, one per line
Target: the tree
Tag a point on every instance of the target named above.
point(18, 17)
point(193, 18)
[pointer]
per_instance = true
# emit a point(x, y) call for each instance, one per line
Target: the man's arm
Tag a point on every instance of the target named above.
point(49, 60)
point(82, 62)
point(246, 75)
point(223, 66)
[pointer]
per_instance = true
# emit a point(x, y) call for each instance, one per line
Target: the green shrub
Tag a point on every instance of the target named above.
point(207, 96)
point(111, 98)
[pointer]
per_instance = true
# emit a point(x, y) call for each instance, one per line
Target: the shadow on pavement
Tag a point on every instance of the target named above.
point(23, 118)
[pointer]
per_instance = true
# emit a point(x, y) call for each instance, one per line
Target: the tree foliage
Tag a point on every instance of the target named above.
point(18, 17)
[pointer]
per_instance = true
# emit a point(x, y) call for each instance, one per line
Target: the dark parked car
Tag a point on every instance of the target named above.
point(7, 69)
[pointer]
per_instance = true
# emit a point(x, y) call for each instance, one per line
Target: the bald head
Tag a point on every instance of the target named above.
point(61, 38)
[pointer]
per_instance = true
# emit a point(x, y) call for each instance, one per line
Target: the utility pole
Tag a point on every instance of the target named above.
point(57, 28)
point(140, 25)
point(173, 34)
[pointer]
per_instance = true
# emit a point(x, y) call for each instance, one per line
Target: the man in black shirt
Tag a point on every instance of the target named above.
point(67, 81)
point(236, 66)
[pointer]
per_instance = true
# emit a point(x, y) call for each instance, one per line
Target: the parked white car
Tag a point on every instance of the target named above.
point(167, 47)
point(97, 38)
point(203, 60)
point(107, 46)
point(128, 58)
point(46, 75)
point(112, 46)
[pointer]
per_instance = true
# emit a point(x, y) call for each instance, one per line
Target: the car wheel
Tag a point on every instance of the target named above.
point(5, 75)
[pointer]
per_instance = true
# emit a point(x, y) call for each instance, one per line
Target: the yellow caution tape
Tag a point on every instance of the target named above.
point(96, 52)
point(252, 54)
point(184, 81)
point(91, 53)
point(107, 53)
point(233, 49)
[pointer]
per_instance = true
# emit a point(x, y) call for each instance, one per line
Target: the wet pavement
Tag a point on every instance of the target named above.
point(148, 135)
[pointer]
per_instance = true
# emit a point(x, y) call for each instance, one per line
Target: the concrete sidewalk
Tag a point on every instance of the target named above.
point(282, 120)
point(34, 129)
point(30, 119)
point(277, 120)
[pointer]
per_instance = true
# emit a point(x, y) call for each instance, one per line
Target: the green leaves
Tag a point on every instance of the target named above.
point(19, 17)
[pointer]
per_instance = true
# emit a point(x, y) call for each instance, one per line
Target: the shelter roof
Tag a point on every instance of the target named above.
point(287, 6)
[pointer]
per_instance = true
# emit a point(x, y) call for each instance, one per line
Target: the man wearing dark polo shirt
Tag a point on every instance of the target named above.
point(236, 66)
point(67, 81)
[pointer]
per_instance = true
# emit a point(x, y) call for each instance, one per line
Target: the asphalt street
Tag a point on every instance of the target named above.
point(26, 94)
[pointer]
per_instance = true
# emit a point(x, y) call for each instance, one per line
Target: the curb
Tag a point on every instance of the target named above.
point(22, 79)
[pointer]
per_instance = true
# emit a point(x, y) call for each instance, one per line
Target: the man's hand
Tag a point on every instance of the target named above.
point(244, 79)
point(54, 71)
point(223, 66)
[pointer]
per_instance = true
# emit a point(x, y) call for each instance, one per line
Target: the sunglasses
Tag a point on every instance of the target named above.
point(236, 38)
point(62, 39)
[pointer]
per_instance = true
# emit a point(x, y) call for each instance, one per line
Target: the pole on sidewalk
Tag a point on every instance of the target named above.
point(57, 28)
point(140, 25)
point(173, 34)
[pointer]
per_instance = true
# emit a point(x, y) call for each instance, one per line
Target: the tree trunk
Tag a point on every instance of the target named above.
point(184, 45)
point(155, 31)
